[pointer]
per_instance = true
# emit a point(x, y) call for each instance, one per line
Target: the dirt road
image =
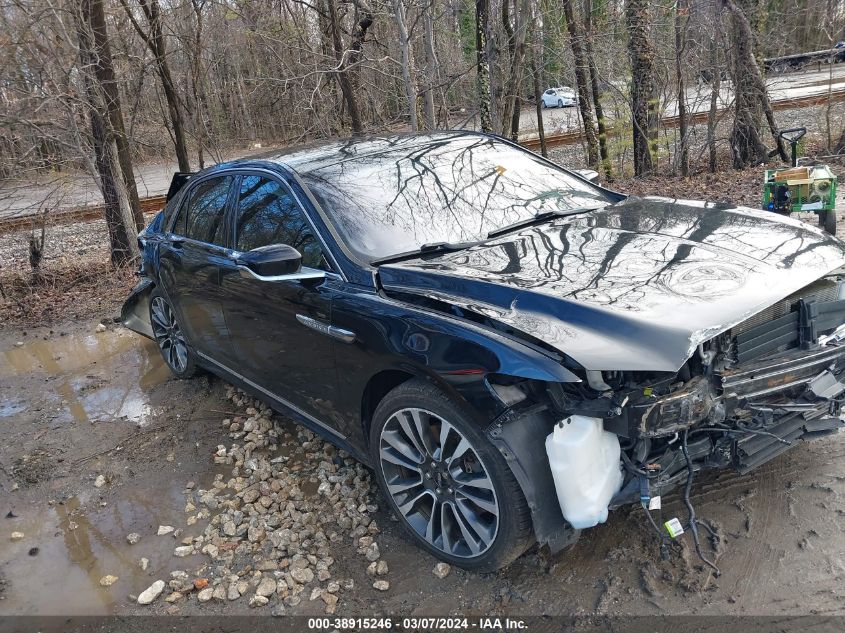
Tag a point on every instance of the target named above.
point(100, 443)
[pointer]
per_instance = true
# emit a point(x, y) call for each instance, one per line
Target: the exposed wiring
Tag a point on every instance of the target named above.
point(636, 470)
point(745, 429)
point(693, 522)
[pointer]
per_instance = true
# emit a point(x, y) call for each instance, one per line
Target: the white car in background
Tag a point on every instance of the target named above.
point(562, 97)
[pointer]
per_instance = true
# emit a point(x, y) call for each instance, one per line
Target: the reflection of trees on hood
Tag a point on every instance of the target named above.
point(633, 257)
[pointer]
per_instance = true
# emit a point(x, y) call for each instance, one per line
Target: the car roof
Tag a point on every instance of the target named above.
point(314, 156)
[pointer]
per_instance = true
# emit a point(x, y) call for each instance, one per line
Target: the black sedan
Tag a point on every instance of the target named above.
point(513, 349)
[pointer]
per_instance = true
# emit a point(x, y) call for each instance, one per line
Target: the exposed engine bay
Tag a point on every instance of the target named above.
point(743, 398)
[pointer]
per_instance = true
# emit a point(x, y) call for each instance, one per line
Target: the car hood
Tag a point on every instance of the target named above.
point(634, 286)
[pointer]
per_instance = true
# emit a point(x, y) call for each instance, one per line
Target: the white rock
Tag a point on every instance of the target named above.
point(165, 529)
point(441, 570)
point(381, 585)
point(258, 601)
point(100, 328)
point(267, 587)
point(206, 594)
point(16, 536)
point(144, 563)
point(151, 593)
point(133, 538)
point(100, 481)
point(302, 576)
point(183, 550)
point(108, 580)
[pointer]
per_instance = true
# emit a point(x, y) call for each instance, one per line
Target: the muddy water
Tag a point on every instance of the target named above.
point(83, 384)
point(77, 372)
point(75, 550)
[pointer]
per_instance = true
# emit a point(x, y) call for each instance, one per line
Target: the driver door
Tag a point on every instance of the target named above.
point(270, 318)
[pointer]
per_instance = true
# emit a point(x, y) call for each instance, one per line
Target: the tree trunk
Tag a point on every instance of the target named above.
point(154, 38)
point(103, 67)
point(681, 23)
point(715, 88)
point(594, 86)
point(432, 68)
point(407, 63)
point(517, 37)
point(482, 9)
point(750, 97)
point(644, 99)
point(537, 73)
point(119, 216)
point(346, 71)
point(585, 103)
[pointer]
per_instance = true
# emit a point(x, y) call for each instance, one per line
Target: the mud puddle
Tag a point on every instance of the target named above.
point(83, 378)
point(67, 549)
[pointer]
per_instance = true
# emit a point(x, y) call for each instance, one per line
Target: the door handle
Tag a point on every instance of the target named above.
point(345, 336)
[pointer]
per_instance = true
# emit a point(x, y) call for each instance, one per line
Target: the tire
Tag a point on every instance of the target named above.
point(483, 525)
point(827, 220)
point(175, 350)
point(560, 103)
point(544, 106)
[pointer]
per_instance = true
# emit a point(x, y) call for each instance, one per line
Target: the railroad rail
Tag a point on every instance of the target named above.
point(72, 215)
point(695, 118)
point(154, 203)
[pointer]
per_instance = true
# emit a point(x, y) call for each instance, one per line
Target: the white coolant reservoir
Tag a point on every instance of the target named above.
point(585, 464)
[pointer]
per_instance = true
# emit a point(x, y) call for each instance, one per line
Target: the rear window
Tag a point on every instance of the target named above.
point(203, 214)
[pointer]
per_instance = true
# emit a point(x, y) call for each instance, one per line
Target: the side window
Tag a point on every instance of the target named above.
point(269, 214)
point(202, 216)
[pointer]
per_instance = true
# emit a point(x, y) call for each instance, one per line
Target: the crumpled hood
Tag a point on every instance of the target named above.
point(636, 286)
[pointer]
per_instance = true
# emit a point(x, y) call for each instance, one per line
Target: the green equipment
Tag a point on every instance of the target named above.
point(805, 188)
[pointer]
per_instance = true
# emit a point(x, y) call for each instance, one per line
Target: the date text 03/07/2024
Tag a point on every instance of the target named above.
point(419, 624)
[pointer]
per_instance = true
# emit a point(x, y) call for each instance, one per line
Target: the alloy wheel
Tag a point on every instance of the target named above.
point(439, 483)
point(169, 335)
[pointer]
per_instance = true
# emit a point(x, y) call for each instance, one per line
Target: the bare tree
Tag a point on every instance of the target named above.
point(681, 24)
point(154, 39)
point(482, 16)
point(644, 101)
point(585, 103)
point(94, 54)
point(751, 97)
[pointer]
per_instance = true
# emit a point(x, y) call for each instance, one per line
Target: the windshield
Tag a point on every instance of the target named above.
point(454, 188)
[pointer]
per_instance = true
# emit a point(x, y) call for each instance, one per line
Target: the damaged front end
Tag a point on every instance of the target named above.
point(744, 397)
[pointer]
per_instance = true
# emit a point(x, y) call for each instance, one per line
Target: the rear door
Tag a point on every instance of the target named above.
point(279, 326)
point(191, 259)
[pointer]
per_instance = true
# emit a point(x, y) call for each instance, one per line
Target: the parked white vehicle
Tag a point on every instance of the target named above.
point(562, 97)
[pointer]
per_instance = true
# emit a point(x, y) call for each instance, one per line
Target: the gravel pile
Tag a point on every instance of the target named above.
point(271, 526)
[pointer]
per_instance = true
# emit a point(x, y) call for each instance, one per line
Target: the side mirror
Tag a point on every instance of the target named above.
point(272, 261)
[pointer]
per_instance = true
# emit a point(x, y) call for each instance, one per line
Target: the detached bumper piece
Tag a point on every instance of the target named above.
point(772, 420)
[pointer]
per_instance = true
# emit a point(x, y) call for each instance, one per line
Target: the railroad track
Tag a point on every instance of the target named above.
point(72, 215)
point(696, 118)
point(154, 203)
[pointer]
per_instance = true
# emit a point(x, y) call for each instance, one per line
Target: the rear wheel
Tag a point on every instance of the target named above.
point(449, 486)
point(171, 340)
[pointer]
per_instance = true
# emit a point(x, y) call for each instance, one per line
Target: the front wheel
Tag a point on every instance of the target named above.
point(827, 220)
point(560, 103)
point(451, 488)
point(170, 338)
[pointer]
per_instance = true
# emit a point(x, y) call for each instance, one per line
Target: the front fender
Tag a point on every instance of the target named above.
point(135, 314)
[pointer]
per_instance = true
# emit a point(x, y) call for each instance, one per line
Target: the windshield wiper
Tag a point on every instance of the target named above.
point(425, 249)
point(541, 216)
